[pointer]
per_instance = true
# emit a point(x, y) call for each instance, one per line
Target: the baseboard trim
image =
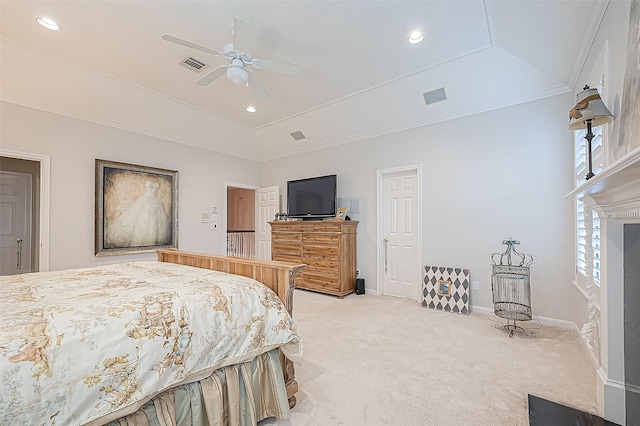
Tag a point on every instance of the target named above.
point(610, 394)
point(587, 350)
point(614, 401)
point(551, 322)
point(480, 309)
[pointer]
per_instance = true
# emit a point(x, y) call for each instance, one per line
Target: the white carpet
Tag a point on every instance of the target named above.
point(380, 360)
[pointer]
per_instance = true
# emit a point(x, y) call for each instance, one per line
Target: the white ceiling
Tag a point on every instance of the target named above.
point(361, 77)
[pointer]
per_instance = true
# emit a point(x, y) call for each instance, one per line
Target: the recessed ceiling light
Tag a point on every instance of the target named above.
point(416, 37)
point(48, 23)
point(251, 108)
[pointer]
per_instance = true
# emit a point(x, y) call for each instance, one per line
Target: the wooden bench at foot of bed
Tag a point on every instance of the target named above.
point(278, 276)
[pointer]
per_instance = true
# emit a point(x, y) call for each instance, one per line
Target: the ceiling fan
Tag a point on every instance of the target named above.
point(239, 59)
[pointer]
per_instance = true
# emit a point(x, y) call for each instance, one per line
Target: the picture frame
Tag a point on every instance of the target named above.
point(341, 213)
point(444, 288)
point(136, 208)
point(281, 217)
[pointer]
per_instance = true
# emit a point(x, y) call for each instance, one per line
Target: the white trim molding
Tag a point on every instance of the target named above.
point(616, 190)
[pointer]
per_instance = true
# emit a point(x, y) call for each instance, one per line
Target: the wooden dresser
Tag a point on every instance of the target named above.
point(327, 247)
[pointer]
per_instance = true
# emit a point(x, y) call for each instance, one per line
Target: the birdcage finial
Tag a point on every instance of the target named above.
point(523, 259)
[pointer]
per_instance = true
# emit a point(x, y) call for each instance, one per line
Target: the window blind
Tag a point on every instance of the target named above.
point(581, 170)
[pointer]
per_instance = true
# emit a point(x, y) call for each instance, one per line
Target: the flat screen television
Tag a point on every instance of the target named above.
point(312, 198)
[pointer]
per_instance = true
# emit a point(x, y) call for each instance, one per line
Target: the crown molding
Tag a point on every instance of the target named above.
point(599, 9)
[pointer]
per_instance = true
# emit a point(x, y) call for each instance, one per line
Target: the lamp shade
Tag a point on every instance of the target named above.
point(589, 106)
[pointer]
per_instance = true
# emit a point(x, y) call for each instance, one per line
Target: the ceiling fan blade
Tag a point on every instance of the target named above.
point(187, 43)
point(256, 85)
point(209, 77)
point(241, 33)
point(281, 67)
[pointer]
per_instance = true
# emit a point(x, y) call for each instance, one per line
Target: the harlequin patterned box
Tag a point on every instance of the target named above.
point(446, 289)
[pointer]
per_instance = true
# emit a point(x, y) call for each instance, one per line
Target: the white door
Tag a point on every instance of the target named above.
point(267, 205)
point(401, 269)
point(15, 223)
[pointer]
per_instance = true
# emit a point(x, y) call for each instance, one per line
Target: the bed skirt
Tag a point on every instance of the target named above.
point(241, 394)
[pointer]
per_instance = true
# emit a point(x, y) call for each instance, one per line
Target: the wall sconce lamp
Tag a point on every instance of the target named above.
point(591, 110)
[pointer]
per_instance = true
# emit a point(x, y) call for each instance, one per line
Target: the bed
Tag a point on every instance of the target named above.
point(187, 339)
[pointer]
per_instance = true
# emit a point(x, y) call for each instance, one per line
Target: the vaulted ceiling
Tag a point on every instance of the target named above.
point(361, 77)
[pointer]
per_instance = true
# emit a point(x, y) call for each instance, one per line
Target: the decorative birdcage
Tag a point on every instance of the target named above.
point(510, 284)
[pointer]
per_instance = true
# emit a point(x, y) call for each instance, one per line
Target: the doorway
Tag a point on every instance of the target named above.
point(23, 225)
point(241, 222)
point(247, 225)
point(399, 232)
point(17, 247)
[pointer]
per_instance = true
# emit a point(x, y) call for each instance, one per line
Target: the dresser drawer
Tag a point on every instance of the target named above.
point(324, 264)
point(289, 237)
point(322, 227)
point(319, 282)
point(284, 227)
point(286, 249)
point(282, 257)
point(320, 252)
point(321, 239)
point(314, 272)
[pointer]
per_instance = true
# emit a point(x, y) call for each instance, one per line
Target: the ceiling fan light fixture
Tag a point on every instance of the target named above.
point(416, 37)
point(237, 75)
point(48, 23)
point(240, 60)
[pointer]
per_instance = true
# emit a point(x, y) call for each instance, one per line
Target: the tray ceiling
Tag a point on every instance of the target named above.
point(360, 77)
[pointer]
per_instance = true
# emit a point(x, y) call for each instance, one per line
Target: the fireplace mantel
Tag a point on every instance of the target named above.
point(616, 190)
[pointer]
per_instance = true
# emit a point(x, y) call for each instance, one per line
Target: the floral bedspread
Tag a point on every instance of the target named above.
point(78, 344)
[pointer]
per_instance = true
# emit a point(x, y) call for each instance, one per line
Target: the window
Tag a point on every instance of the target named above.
point(581, 170)
point(581, 244)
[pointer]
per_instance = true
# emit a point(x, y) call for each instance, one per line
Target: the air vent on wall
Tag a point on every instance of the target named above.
point(297, 136)
point(434, 96)
point(193, 64)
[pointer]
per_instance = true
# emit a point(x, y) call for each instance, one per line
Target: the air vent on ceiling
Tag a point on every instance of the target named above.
point(297, 136)
point(434, 96)
point(193, 64)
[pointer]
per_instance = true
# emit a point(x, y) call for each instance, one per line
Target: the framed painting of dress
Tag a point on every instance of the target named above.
point(136, 208)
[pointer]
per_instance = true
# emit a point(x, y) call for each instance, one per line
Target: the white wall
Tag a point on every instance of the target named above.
point(73, 146)
point(486, 178)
